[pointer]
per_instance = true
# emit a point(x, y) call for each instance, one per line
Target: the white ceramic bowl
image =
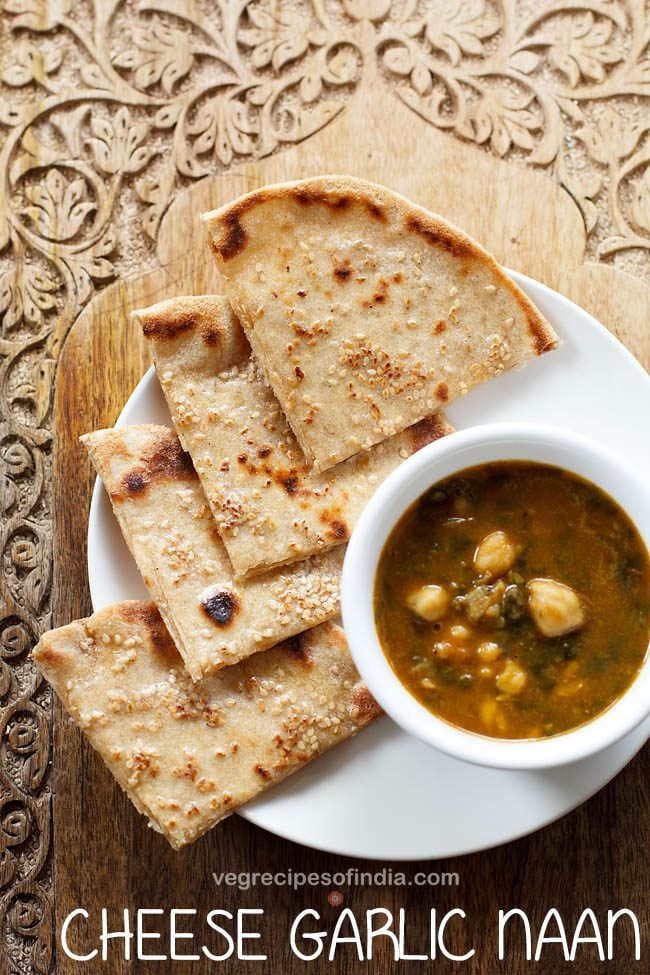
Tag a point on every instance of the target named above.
point(446, 457)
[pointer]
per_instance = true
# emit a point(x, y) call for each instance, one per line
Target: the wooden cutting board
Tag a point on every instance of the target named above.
point(104, 854)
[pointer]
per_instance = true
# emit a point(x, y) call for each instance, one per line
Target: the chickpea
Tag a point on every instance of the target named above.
point(489, 652)
point(459, 633)
point(570, 683)
point(494, 555)
point(442, 649)
point(555, 608)
point(446, 651)
point(488, 710)
point(429, 602)
point(512, 678)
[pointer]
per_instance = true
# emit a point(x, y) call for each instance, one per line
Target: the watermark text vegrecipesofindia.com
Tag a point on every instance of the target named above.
point(349, 877)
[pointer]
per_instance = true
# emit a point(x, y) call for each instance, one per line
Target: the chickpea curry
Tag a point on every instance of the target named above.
point(513, 600)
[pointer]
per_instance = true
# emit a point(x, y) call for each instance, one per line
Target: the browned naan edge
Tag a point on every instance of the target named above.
point(163, 460)
point(427, 430)
point(229, 237)
point(147, 615)
point(209, 315)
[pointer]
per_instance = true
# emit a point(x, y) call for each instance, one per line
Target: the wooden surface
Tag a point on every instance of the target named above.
point(110, 110)
point(104, 854)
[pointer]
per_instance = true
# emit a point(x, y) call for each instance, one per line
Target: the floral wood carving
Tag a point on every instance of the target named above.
point(109, 108)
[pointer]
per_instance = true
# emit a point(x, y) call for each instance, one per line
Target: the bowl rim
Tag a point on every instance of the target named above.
point(393, 497)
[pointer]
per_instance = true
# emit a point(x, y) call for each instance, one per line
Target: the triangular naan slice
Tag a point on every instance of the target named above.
point(270, 507)
point(365, 311)
point(173, 537)
point(186, 754)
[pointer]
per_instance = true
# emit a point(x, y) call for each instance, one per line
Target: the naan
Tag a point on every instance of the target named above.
point(167, 524)
point(187, 754)
point(365, 311)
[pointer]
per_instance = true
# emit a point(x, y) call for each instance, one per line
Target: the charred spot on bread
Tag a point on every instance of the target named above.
point(289, 483)
point(442, 392)
point(309, 194)
point(426, 431)
point(165, 329)
point(146, 614)
point(134, 483)
point(543, 339)
point(166, 460)
point(210, 333)
point(234, 237)
point(365, 703)
point(440, 326)
point(208, 317)
point(48, 654)
point(289, 479)
point(379, 295)
point(343, 271)
point(375, 210)
point(337, 529)
point(298, 649)
point(437, 236)
point(262, 772)
point(220, 606)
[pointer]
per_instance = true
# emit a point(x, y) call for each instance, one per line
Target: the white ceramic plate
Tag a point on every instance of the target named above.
point(386, 795)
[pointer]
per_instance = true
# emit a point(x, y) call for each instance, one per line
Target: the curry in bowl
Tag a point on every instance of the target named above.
point(512, 600)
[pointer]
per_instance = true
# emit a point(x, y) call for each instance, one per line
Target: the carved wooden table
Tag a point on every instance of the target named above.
point(109, 118)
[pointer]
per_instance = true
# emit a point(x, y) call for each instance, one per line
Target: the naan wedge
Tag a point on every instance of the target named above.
point(366, 312)
point(186, 754)
point(270, 508)
point(172, 535)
